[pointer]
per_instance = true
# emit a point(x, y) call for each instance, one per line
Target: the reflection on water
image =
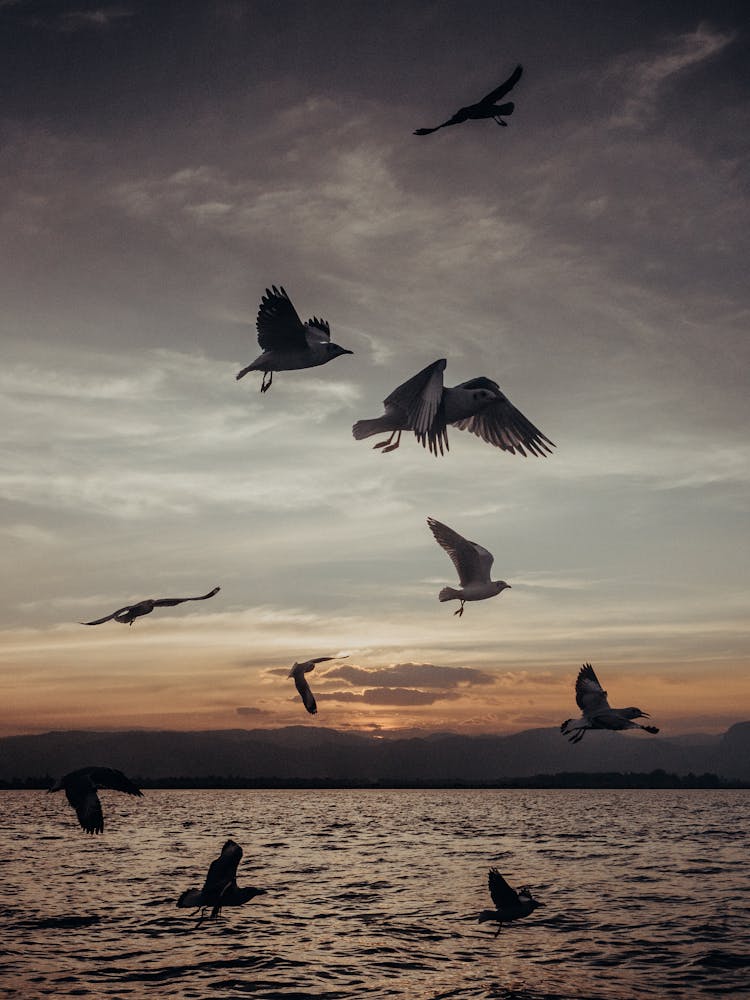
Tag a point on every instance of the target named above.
point(375, 894)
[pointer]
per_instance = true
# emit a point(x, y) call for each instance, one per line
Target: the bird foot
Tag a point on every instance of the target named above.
point(460, 610)
point(266, 385)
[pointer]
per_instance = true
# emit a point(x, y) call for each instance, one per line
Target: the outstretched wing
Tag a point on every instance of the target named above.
point(472, 561)
point(501, 892)
point(318, 331)
point(502, 90)
point(421, 397)
point(110, 777)
point(223, 871)
point(590, 696)
point(81, 794)
point(107, 618)
point(170, 602)
point(499, 423)
point(308, 698)
point(279, 326)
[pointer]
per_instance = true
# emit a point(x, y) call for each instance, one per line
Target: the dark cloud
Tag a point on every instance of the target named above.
point(250, 710)
point(424, 675)
point(390, 696)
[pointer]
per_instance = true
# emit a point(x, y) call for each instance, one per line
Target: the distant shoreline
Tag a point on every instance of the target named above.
point(615, 780)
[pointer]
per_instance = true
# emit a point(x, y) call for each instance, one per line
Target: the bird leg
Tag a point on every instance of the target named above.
point(460, 610)
point(266, 385)
point(386, 445)
point(499, 121)
point(499, 928)
point(201, 918)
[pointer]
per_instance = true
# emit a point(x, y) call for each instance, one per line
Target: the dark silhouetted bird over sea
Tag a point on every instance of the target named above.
point(80, 788)
point(509, 904)
point(426, 407)
point(486, 108)
point(473, 564)
point(288, 343)
point(298, 672)
point(128, 614)
point(220, 888)
point(592, 701)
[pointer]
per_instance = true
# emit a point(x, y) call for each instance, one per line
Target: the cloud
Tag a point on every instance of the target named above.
point(389, 696)
point(247, 710)
point(420, 674)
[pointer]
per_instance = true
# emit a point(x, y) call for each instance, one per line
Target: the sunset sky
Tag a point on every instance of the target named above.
point(162, 164)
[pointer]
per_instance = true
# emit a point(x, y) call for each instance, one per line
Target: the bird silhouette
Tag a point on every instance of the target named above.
point(425, 406)
point(597, 714)
point(298, 672)
point(220, 888)
point(80, 789)
point(509, 904)
point(288, 343)
point(128, 614)
point(486, 108)
point(473, 564)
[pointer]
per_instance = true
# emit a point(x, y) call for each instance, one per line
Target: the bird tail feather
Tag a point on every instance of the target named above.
point(366, 428)
point(449, 594)
point(250, 368)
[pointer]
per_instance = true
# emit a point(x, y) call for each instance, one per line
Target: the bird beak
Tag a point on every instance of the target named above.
point(645, 715)
point(344, 351)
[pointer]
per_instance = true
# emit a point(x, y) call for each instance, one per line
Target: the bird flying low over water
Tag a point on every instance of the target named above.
point(509, 904)
point(130, 612)
point(424, 405)
point(473, 564)
point(486, 108)
point(288, 343)
point(220, 888)
point(298, 672)
point(592, 701)
point(80, 789)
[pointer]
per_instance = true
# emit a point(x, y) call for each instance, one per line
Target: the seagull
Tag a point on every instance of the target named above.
point(509, 904)
point(220, 888)
point(286, 341)
point(298, 672)
point(130, 612)
point(80, 788)
point(473, 564)
point(425, 406)
point(592, 701)
point(486, 108)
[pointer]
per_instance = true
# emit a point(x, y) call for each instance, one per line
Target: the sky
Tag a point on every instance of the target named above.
point(163, 164)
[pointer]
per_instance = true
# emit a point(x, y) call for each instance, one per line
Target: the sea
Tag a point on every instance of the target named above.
point(375, 894)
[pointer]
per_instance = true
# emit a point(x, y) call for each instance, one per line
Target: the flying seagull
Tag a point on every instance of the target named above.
point(286, 341)
point(220, 888)
point(80, 788)
point(486, 108)
point(509, 904)
point(130, 612)
point(592, 701)
point(424, 405)
point(473, 564)
point(298, 672)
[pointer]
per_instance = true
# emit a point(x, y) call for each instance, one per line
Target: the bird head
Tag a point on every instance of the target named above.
point(334, 350)
point(501, 585)
point(635, 713)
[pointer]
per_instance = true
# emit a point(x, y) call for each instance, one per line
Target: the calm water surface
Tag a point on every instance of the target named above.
point(375, 894)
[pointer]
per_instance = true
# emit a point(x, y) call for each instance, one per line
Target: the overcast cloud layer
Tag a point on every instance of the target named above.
point(162, 164)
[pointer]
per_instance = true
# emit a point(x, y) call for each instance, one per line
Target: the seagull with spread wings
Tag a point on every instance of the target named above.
point(80, 789)
point(128, 614)
point(298, 672)
point(597, 714)
point(288, 343)
point(509, 904)
point(426, 407)
point(220, 888)
point(486, 108)
point(473, 564)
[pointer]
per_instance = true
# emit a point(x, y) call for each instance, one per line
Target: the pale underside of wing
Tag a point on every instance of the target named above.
point(591, 698)
point(499, 423)
point(472, 561)
point(279, 326)
point(419, 397)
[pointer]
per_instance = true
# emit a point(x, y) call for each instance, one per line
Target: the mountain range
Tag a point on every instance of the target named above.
point(308, 753)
